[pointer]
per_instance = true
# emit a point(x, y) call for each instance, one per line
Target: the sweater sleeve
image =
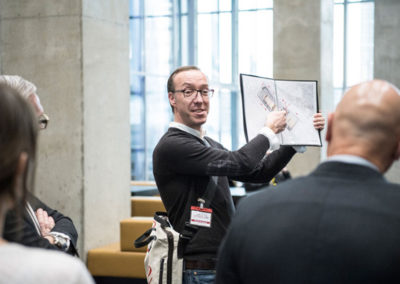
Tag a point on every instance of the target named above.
point(190, 156)
point(270, 166)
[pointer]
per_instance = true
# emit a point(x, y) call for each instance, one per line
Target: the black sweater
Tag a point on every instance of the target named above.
point(182, 166)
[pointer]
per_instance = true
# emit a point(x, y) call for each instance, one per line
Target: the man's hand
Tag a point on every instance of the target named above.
point(276, 121)
point(319, 121)
point(50, 238)
point(46, 223)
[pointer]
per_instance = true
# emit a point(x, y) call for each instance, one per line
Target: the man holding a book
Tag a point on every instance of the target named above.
point(192, 171)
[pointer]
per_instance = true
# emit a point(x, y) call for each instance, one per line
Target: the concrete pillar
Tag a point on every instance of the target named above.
point(303, 40)
point(387, 56)
point(77, 53)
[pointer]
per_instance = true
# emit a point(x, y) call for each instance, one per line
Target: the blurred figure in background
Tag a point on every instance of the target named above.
point(18, 138)
point(42, 226)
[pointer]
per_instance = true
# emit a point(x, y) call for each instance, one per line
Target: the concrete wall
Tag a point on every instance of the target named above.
point(387, 55)
point(303, 38)
point(106, 116)
point(76, 52)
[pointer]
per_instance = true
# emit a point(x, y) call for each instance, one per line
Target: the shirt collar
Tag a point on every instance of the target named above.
point(351, 159)
point(194, 132)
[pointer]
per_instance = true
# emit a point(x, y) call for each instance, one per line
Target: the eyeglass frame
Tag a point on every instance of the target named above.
point(43, 121)
point(195, 91)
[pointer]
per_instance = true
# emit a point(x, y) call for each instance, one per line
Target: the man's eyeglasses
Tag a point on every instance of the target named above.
point(189, 93)
point(43, 121)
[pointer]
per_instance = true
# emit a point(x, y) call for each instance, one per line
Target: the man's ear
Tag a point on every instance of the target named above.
point(172, 99)
point(328, 136)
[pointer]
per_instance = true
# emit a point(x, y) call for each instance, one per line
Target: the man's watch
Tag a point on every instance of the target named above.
point(60, 242)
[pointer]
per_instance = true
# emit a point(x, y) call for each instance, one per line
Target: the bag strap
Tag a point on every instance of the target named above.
point(144, 239)
point(210, 191)
point(190, 230)
point(208, 195)
point(187, 234)
point(162, 218)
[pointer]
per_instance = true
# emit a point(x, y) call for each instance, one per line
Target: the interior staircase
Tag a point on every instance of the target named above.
point(122, 262)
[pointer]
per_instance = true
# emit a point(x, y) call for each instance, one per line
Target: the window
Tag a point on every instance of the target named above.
point(353, 44)
point(151, 47)
point(222, 37)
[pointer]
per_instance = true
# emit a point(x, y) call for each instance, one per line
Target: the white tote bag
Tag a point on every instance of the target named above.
point(162, 264)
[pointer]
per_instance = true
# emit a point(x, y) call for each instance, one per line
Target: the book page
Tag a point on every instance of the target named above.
point(259, 100)
point(261, 95)
point(298, 98)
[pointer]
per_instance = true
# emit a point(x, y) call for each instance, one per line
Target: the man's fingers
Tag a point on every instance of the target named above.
point(45, 223)
point(51, 223)
point(318, 121)
point(319, 125)
point(39, 215)
point(276, 121)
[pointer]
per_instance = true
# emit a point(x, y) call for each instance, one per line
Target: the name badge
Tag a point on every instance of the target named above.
point(200, 216)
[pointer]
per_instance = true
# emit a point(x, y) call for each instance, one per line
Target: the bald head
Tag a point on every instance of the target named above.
point(366, 123)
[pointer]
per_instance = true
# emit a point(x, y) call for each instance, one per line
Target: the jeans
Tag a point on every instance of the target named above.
point(198, 276)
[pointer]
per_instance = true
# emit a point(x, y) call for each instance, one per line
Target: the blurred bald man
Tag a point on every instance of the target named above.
point(340, 224)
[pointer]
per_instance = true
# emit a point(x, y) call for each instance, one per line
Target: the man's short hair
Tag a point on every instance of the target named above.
point(24, 87)
point(170, 83)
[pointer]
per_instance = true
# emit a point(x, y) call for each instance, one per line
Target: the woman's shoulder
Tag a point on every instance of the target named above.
point(20, 264)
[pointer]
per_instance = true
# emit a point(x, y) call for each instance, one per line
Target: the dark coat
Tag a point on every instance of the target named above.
point(24, 231)
point(340, 224)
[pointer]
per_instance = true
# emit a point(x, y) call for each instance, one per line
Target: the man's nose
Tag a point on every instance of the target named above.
point(198, 97)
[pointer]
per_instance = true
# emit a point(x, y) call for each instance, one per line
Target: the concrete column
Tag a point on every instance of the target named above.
point(387, 56)
point(303, 39)
point(77, 53)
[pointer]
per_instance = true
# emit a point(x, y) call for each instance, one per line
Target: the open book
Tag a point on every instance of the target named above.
point(299, 99)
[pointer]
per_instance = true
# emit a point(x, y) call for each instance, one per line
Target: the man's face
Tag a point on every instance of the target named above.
point(191, 111)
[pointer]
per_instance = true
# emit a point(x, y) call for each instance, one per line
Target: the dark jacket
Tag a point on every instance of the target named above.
point(340, 224)
point(24, 231)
